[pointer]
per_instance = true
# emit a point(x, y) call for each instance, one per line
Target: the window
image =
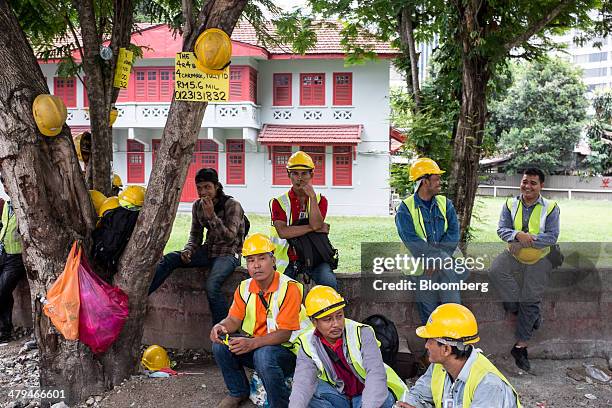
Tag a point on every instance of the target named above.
point(594, 57)
point(65, 88)
point(243, 83)
point(235, 161)
point(153, 84)
point(343, 88)
point(318, 156)
point(135, 162)
point(252, 85)
point(595, 72)
point(281, 90)
point(312, 89)
point(235, 84)
point(343, 166)
point(595, 87)
point(280, 156)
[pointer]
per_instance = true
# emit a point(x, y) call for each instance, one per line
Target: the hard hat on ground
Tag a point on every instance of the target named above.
point(49, 114)
point(132, 195)
point(322, 301)
point(257, 244)
point(97, 198)
point(213, 50)
point(109, 204)
point(422, 167)
point(300, 161)
point(451, 321)
point(117, 181)
point(113, 115)
point(155, 358)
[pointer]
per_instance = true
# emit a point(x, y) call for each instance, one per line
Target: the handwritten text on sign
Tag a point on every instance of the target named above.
point(194, 85)
point(124, 66)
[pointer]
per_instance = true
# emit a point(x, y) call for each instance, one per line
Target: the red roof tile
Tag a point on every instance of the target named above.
point(329, 134)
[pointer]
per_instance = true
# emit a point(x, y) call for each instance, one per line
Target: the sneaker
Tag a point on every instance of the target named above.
point(521, 357)
point(232, 402)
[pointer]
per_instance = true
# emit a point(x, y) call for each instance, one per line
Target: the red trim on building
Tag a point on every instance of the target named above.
point(235, 162)
point(312, 89)
point(281, 89)
point(317, 153)
point(65, 88)
point(343, 166)
point(280, 157)
point(135, 162)
point(343, 88)
point(323, 56)
point(304, 135)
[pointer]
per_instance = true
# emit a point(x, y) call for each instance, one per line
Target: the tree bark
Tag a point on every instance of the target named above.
point(407, 41)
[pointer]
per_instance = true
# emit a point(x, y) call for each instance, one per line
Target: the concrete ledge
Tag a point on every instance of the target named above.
point(577, 313)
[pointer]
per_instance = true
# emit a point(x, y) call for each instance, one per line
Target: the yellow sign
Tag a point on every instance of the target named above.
point(124, 66)
point(194, 85)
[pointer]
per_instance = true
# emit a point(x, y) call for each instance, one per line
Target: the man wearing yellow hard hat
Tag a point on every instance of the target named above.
point(339, 362)
point(427, 224)
point(529, 223)
point(264, 320)
point(460, 375)
point(296, 213)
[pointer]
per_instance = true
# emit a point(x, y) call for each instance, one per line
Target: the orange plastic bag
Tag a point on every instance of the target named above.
point(63, 301)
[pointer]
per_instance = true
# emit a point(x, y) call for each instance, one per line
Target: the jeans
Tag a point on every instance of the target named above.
point(272, 363)
point(321, 274)
point(327, 396)
point(221, 268)
point(429, 300)
point(11, 272)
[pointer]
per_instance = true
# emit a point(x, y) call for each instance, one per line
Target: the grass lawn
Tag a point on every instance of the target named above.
point(581, 221)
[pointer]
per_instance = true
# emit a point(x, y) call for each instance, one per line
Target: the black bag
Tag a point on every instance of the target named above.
point(112, 235)
point(555, 256)
point(220, 206)
point(313, 249)
point(386, 333)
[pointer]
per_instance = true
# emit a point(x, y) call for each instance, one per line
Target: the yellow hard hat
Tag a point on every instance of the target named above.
point(257, 244)
point(133, 195)
point(117, 181)
point(109, 204)
point(529, 255)
point(79, 142)
point(49, 113)
point(322, 301)
point(213, 50)
point(422, 167)
point(300, 161)
point(155, 358)
point(113, 115)
point(97, 198)
point(451, 321)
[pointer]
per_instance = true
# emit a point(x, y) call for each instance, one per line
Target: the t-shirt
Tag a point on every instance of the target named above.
point(288, 315)
point(297, 213)
point(352, 385)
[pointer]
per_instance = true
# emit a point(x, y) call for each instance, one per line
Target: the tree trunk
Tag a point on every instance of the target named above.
point(407, 41)
point(43, 179)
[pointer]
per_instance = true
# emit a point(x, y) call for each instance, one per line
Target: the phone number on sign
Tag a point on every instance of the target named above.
point(37, 393)
point(200, 95)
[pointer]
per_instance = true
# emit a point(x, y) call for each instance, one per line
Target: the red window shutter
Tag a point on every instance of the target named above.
point(155, 145)
point(135, 162)
point(65, 88)
point(252, 85)
point(85, 97)
point(281, 89)
point(235, 161)
point(280, 156)
point(236, 83)
point(152, 85)
point(124, 94)
point(343, 166)
point(166, 84)
point(317, 153)
point(206, 154)
point(140, 85)
point(343, 88)
point(312, 89)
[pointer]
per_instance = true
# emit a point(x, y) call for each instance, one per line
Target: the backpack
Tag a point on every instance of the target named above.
point(112, 235)
point(220, 206)
point(313, 249)
point(386, 333)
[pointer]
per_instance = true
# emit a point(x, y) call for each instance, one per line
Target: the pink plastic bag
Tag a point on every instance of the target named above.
point(104, 309)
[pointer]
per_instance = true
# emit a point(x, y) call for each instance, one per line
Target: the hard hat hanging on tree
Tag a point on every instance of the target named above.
point(132, 195)
point(117, 181)
point(213, 50)
point(113, 115)
point(97, 198)
point(49, 113)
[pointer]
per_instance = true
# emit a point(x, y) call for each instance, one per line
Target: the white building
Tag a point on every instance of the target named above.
point(279, 102)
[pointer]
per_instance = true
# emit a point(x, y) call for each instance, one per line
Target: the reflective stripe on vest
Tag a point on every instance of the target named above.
point(417, 216)
point(281, 245)
point(480, 368)
point(9, 234)
point(275, 303)
point(352, 331)
point(537, 219)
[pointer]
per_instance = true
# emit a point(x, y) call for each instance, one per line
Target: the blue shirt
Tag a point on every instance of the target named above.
point(440, 243)
point(548, 237)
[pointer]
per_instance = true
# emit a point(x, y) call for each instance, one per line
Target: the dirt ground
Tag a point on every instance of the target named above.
point(201, 385)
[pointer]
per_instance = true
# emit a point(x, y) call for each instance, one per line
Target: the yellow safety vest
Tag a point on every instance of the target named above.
point(282, 245)
point(276, 301)
point(352, 331)
point(9, 234)
point(481, 367)
point(537, 223)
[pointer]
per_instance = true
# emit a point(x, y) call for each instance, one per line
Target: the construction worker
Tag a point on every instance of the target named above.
point(427, 224)
point(268, 309)
point(460, 375)
point(339, 362)
point(529, 223)
point(223, 218)
point(298, 212)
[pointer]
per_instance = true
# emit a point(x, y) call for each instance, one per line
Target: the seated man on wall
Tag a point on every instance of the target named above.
point(224, 220)
point(268, 309)
point(459, 376)
point(339, 363)
point(296, 213)
point(529, 223)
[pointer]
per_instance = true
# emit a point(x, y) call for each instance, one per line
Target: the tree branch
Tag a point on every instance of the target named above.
point(537, 26)
point(188, 16)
